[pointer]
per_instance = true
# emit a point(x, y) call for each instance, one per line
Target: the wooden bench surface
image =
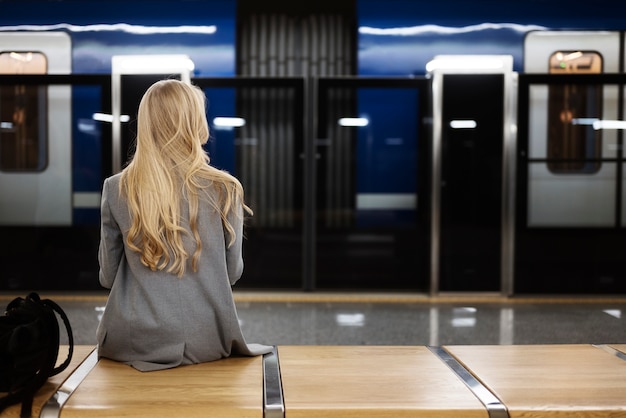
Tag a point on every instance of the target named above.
point(232, 387)
point(532, 381)
point(368, 381)
point(550, 380)
point(53, 383)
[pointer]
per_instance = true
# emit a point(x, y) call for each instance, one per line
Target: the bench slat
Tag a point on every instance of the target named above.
point(368, 381)
point(232, 387)
point(549, 380)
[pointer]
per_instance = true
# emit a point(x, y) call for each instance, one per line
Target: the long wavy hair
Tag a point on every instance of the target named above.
point(170, 168)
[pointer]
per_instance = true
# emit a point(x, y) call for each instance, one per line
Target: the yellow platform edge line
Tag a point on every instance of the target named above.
point(356, 297)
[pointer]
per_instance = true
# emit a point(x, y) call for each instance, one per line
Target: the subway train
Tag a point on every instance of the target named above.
point(383, 145)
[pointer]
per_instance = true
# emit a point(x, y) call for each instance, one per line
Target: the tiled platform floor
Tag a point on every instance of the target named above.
point(294, 318)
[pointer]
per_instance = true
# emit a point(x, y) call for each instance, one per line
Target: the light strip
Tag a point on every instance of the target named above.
point(104, 117)
point(446, 30)
point(463, 124)
point(584, 121)
point(229, 122)
point(121, 27)
point(609, 124)
point(152, 64)
point(465, 63)
point(353, 122)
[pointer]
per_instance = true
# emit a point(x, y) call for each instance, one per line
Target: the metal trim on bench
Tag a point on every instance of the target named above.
point(52, 408)
point(611, 350)
point(273, 402)
point(495, 408)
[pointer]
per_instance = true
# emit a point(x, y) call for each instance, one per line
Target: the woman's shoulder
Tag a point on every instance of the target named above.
point(111, 183)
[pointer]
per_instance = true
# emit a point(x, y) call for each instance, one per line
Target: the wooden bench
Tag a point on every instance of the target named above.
point(351, 381)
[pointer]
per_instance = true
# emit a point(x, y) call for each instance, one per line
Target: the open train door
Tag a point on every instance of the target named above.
point(472, 178)
point(131, 75)
point(35, 132)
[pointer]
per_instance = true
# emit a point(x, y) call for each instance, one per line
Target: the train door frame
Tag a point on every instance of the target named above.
point(475, 65)
point(51, 187)
point(177, 64)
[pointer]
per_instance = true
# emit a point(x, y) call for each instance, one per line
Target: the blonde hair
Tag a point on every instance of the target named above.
point(170, 167)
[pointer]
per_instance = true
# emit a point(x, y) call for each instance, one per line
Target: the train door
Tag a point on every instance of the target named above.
point(570, 236)
point(35, 132)
point(472, 141)
point(131, 75)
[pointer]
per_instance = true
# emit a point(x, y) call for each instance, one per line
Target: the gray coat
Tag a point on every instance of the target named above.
point(155, 320)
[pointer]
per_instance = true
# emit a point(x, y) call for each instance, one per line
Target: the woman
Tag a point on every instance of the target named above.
point(171, 242)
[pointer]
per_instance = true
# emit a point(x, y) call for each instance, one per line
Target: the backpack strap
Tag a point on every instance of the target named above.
point(14, 398)
point(70, 336)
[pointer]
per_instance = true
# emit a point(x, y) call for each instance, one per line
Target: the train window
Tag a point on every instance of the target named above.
point(572, 108)
point(23, 110)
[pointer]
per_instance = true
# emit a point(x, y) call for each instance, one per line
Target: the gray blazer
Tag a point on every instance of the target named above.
point(155, 320)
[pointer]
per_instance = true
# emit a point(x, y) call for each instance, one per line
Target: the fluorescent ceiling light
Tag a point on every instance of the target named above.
point(467, 63)
point(152, 64)
point(353, 122)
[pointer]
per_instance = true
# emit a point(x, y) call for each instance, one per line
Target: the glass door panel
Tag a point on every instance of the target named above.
point(370, 228)
point(257, 135)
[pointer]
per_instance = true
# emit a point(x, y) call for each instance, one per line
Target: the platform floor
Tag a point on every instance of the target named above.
point(312, 318)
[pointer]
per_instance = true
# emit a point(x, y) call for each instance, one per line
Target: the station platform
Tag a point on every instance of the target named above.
point(491, 381)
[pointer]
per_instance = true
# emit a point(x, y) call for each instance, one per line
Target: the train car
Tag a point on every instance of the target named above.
point(378, 146)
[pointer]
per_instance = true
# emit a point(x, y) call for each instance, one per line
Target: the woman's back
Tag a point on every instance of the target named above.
point(159, 315)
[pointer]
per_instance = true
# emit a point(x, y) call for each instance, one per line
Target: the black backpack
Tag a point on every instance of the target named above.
point(29, 347)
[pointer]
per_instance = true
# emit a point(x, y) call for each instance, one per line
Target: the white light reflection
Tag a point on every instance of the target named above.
point(468, 62)
point(463, 124)
point(353, 122)
point(507, 334)
point(466, 317)
point(350, 320)
point(118, 27)
point(463, 317)
point(228, 123)
point(616, 313)
point(23, 57)
point(145, 64)
point(600, 123)
point(584, 121)
point(609, 124)
point(99, 312)
point(104, 117)
point(445, 30)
